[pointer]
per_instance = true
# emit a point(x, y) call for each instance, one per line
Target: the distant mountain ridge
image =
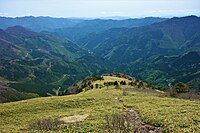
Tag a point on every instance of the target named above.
point(86, 27)
point(38, 23)
point(173, 36)
point(74, 28)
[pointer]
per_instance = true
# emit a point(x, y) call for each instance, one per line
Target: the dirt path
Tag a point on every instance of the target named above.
point(134, 118)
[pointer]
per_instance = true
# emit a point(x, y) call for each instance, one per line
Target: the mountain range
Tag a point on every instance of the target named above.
point(38, 54)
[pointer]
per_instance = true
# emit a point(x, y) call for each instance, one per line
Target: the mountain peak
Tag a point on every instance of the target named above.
point(20, 31)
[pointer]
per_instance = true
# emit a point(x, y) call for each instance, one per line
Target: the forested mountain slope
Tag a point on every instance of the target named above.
point(171, 37)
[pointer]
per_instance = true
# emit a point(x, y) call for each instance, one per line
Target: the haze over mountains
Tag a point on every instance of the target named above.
point(41, 53)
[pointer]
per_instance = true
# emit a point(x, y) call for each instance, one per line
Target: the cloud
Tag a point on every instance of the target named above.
point(3, 14)
point(103, 12)
point(116, 12)
point(28, 14)
point(176, 12)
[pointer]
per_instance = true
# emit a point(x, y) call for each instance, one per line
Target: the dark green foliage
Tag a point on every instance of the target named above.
point(96, 85)
point(115, 83)
point(89, 83)
point(192, 95)
point(95, 78)
point(156, 39)
point(132, 83)
point(50, 61)
point(140, 84)
point(32, 88)
point(123, 83)
point(91, 86)
point(12, 95)
point(149, 53)
point(163, 71)
point(181, 88)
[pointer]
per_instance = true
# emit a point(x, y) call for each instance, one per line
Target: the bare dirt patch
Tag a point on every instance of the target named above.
point(74, 118)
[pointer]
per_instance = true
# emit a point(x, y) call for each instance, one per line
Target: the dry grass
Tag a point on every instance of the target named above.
point(172, 114)
point(74, 118)
point(46, 125)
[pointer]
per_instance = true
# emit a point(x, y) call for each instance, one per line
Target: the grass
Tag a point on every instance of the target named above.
point(16, 116)
point(173, 115)
point(112, 79)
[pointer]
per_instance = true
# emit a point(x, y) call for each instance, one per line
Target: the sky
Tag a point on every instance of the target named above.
point(99, 8)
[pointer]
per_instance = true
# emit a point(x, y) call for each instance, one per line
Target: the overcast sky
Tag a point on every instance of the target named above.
point(99, 8)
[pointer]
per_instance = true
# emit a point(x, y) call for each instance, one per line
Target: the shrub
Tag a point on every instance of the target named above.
point(181, 88)
point(140, 85)
point(96, 85)
point(171, 93)
point(91, 86)
point(46, 124)
point(132, 83)
point(117, 123)
point(116, 83)
point(189, 95)
point(123, 83)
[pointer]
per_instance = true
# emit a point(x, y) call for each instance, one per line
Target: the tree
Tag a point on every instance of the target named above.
point(140, 85)
point(132, 83)
point(123, 83)
point(181, 87)
point(91, 86)
point(96, 85)
point(89, 83)
point(115, 83)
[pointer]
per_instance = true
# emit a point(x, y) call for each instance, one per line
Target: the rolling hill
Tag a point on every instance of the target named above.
point(93, 110)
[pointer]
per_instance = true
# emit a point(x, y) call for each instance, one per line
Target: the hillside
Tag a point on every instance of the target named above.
point(91, 111)
point(37, 62)
point(134, 50)
point(171, 37)
point(165, 71)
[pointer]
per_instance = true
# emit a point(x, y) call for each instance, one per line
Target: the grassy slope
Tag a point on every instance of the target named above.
point(174, 115)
